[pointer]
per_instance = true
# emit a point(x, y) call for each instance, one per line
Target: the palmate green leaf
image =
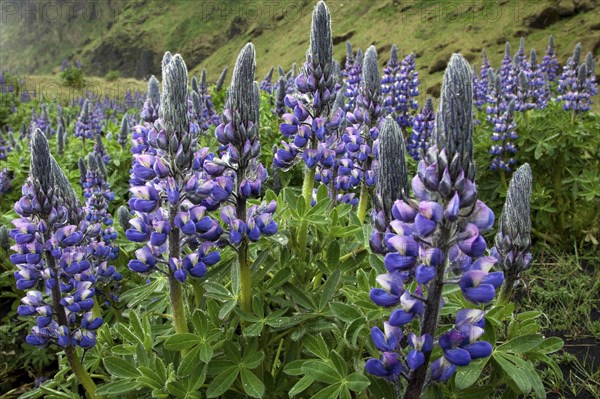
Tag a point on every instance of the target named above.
point(468, 375)
point(357, 382)
point(329, 392)
point(252, 385)
point(189, 362)
point(301, 386)
point(339, 363)
point(345, 312)
point(321, 371)
point(550, 345)
point(150, 378)
point(294, 367)
point(116, 388)
point(329, 289)
point(182, 341)
point(333, 255)
point(515, 369)
point(222, 382)
point(522, 344)
point(253, 359)
point(317, 346)
point(205, 352)
point(226, 309)
point(536, 382)
point(120, 367)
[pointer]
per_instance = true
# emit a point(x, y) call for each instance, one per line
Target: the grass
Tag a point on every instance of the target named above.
point(565, 288)
point(204, 35)
point(50, 87)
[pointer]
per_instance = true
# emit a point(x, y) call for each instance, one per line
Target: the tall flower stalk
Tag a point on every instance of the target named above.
point(51, 251)
point(239, 136)
point(431, 237)
point(172, 194)
point(513, 239)
point(312, 121)
point(363, 130)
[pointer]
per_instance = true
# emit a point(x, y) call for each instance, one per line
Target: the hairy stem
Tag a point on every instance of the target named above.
point(508, 288)
point(80, 373)
point(307, 188)
point(362, 202)
point(429, 322)
point(245, 272)
point(175, 288)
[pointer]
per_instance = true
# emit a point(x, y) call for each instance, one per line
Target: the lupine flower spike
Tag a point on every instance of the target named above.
point(171, 194)
point(238, 134)
point(439, 233)
point(423, 124)
point(513, 239)
point(51, 251)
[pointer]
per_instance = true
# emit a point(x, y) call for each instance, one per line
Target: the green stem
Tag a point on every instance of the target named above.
point(245, 278)
point(430, 321)
point(307, 188)
point(80, 373)
point(507, 293)
point(352, 254)
point(362, 202)
point(245, 272)
point(175, 288)
point(276, 360)
point(503, 178)
point(198, 293)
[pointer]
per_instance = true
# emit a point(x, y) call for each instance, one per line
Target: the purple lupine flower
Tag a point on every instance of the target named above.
point(123, 136)
point(523, 98)
point(520, 57)
point(437, 234)
point(60, 140)
point(504, 134)
point(100, 151)
point(578, 96)
point(459, 344)
point(266, 84)
point(403, 89)
point(6, 177)
point(423, 125)
point(5, 144)
point(508, 77)
point(280, 93)
point(204, 113)
point(549, 64)
point(388, 79)
point(513, 240)
point(42, 121)
point(353, 80)
point(221, 80)
point(87, 125)
point(51, 249)
point(568, 77)
point(363, 123)
point(312, 120)
point(171, 192)
point(238, 135)
point(290, 86)
point(481, 89)
point(538, 82)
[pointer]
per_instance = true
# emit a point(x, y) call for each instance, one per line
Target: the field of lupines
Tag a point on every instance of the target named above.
point(319, 235)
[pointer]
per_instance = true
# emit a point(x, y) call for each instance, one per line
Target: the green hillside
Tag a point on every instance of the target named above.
point(130, 37)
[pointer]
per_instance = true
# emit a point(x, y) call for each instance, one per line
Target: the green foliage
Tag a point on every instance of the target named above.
point(565, 163)
point(73, 77)
point(308, 334)
point(112, 76)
